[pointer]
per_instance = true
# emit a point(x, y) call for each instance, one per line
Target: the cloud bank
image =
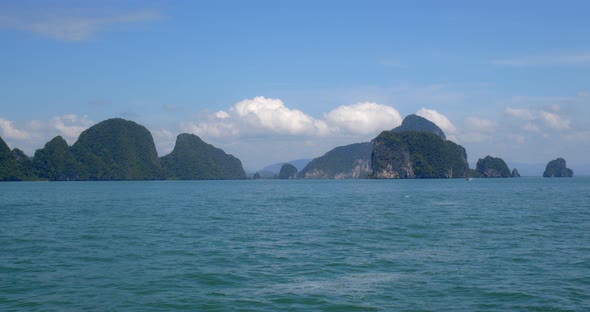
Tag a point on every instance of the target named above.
point(263, 117)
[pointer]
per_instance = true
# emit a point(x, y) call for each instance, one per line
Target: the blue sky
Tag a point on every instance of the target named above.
point(271, 81)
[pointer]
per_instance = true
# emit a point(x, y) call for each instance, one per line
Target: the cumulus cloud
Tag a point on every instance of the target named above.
point(364, 118)
point(10, 132)
point(272, 115)
point(222, 115)
point(73, 25)
point(261, 116)
point(211, 128)
point(439, 119)
point(70, 126)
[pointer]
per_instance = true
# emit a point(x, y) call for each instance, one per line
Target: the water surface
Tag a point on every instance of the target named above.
point(330, 245)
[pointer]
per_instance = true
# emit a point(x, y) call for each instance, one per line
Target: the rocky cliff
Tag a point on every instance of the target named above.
point(557, 169)
point(411, 154)
point(491, 167)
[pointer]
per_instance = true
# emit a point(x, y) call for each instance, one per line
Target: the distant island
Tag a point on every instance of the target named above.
point(119, 149)
point(557, 169)
point(492, 167)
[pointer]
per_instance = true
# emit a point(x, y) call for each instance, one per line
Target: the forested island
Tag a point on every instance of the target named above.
point(119, 149)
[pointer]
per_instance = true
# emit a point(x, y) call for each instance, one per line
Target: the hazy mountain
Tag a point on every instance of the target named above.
point(274, 169)
point(344, 162)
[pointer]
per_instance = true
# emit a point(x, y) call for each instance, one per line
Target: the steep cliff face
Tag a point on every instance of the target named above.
point(288, 172)
point(391, 158)
point(344, 162)
point(193, 159)
point(515, 173)
point(557, 169)
point(412, 154)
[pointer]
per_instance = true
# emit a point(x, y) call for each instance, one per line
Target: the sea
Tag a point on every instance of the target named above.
point(296, 245)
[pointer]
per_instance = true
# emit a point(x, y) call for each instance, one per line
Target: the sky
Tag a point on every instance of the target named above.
point(273, 81)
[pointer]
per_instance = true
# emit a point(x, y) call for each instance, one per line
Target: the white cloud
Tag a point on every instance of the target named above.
point(71, 25)
point(222, 115)
point(554, 121)
point(583, 94)
point(273, 116)
point(213, 129)
point(10, 132)
point(519, 113)
point(439, 119)
point(483, 125)
point(70, 126)
point(364, 118)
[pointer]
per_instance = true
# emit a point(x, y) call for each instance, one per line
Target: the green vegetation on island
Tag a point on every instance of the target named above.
point(14, 165)
point(117, 149)
point(193, 159)
point(491, 167)
point(55, 162)
point(344, 162)
point(557, 169)
point(288, 172)
point(412, 154)
point(419, 124)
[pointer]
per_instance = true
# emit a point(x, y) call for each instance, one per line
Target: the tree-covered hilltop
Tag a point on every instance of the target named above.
point(557, 169)
point(412, 154)
point(14, 165)
point(193, 159)
point(419, 124)
point(491, 167)
point(117, 149)
point(344, 162)
point(55, 161)
point(288, 172)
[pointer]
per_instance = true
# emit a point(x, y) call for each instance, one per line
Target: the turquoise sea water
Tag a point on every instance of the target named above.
point(354, 245)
